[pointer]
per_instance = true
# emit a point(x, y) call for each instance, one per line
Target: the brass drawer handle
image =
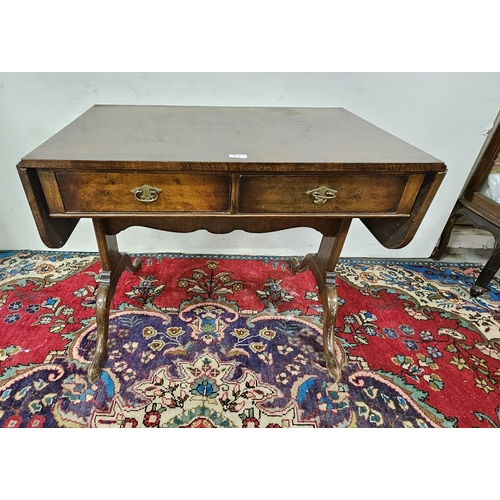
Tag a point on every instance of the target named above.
point(146, 194)
point(322, 194)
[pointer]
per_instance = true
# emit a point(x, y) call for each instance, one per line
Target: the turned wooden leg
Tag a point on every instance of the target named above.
point(322, 265)
point(113, 264)
point(488, 272)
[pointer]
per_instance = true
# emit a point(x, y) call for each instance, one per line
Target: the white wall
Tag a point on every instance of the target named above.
point(445, 114)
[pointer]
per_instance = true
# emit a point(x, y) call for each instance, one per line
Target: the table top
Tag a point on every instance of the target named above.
point(196, 136)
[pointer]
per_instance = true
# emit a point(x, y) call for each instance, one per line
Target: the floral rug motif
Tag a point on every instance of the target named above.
point(221, 341)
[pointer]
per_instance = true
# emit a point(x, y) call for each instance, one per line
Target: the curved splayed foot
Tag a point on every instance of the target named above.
point(108, 281)
point(330, 309)
point(103, 302)
point(329, 298)
point(476, 291)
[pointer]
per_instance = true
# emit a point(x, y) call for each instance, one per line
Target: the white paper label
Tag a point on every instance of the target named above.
point(237, 156)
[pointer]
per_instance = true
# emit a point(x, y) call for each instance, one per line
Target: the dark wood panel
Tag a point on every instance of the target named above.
point(112, 192)
point(229, 167)
point(354, 193)
point(225, 224)
point(183, 135)
point(484, 161)
point(487, 205)
point(398, 232)
point(53, 232)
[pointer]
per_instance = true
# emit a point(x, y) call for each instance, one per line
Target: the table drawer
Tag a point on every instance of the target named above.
point(145, 192)
point(338, 193)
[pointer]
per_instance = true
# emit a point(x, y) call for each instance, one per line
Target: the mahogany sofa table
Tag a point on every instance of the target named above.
point(258, 169)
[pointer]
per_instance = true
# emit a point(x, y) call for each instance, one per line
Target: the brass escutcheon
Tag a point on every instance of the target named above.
point(322, 194)
point(146, 194)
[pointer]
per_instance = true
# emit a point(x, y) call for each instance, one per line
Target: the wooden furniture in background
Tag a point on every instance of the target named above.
point(480, 204)
point(185, 168)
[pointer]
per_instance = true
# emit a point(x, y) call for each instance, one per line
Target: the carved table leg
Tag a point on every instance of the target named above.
point(322, 265)
point(113, 264)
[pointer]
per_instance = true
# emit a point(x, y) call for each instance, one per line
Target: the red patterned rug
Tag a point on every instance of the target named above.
point(220, 341)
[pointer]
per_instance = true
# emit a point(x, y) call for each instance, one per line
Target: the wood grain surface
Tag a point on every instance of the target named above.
point(194, 137)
